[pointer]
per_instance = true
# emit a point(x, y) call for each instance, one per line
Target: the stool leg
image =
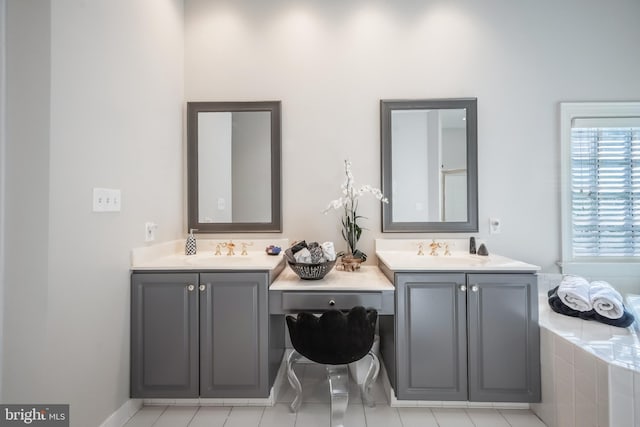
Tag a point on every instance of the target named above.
point(338, 386)
point(372, 374)
point(294, 356)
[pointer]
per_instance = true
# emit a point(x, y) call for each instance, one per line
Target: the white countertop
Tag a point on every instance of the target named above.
point(368, 278)
point(457, 261)
point(170, 256)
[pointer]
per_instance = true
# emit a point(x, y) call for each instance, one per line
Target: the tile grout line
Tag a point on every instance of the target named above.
point(194, 415)
point(161, 414)
point(466, 411)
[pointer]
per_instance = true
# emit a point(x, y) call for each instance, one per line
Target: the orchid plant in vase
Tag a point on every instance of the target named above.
point(351, 230)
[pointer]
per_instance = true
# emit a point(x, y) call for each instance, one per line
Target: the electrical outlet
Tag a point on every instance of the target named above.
point(150, 231)
point(495, 226)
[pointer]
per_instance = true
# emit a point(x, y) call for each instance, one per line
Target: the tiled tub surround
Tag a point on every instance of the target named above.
point(590, 371)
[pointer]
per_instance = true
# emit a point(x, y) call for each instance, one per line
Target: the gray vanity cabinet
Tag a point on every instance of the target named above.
point(164, 335)
point(432, 337)
point(201, 334)
point(466, 337)
point(234, 335)
point(504, 338)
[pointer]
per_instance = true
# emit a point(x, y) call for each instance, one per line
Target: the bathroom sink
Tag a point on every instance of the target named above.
point(458, 261)
point(453, 260)
point(220, 260)
point(253, 261)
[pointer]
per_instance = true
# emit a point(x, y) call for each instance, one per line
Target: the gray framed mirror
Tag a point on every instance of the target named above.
point(429, 165)
point(233, 167)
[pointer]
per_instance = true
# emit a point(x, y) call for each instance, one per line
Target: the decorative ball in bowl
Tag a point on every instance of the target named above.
point(311, 271)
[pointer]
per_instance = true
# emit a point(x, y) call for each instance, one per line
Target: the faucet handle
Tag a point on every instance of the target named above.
point(230, 247)
point(244, 248)
point(434, 247)
point(447, 252)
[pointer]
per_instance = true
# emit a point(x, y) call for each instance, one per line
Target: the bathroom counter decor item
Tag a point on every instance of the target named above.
point(351, 230)
point(190, 246)
point(311, 261)
point(311, 271)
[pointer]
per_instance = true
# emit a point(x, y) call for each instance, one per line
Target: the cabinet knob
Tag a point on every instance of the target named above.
point(332, 302)
point(474, 288)
point(463, 288)
point(190, 287)
point(202, 288)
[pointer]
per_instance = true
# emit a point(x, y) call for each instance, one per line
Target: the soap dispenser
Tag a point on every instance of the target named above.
point(190, 245)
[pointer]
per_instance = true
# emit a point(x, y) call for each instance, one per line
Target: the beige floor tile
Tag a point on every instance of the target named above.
point(146, 416)
point(210, 416)
point(313, 415)
point(176, 416)
point(487, 418)
point(382, 416)
point(521, 418)
point(452, 417)
point(278, 415)
point(417, 417)
point(244, 416)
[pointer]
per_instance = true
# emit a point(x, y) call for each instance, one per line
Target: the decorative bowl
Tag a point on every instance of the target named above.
point(311, 271)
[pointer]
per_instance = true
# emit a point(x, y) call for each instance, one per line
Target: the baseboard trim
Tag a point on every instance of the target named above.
point(123, 413)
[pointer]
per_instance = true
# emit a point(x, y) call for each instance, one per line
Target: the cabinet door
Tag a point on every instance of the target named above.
point(504, 338)
point(431, 336)
point(234, 335)
point(164, 335)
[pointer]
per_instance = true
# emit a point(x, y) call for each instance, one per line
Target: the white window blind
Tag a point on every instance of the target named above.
point(605, 187)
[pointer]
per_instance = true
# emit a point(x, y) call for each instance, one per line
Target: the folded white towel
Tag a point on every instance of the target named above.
point(329, 251)
point(574, 293)
point(303, 256)
point(606, 301)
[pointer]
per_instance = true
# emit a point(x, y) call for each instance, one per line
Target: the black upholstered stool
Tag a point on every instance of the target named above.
point(334, 339)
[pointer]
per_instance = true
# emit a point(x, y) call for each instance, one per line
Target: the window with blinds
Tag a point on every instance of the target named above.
point(605, 187)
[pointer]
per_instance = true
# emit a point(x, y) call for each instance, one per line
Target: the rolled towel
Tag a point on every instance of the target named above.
point(574, 293)
point(329, 251)
point(303, 256)
point(606, 301)
point(558, 306)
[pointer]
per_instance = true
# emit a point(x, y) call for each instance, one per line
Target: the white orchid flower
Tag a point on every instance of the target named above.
point(351, 231)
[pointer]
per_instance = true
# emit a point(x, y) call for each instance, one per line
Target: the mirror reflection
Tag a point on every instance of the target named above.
point(234, 166)
point(429, 165)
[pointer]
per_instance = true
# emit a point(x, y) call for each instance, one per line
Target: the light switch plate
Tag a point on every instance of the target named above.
point(106, 200)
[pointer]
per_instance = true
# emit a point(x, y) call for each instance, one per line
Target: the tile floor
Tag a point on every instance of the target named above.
point(315, 411)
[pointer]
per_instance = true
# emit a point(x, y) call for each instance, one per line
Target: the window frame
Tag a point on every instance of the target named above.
point(588, 266)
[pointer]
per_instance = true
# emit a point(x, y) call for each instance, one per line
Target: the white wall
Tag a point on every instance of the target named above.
point(95, 100)
point(331, 62)
point(26, 201)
